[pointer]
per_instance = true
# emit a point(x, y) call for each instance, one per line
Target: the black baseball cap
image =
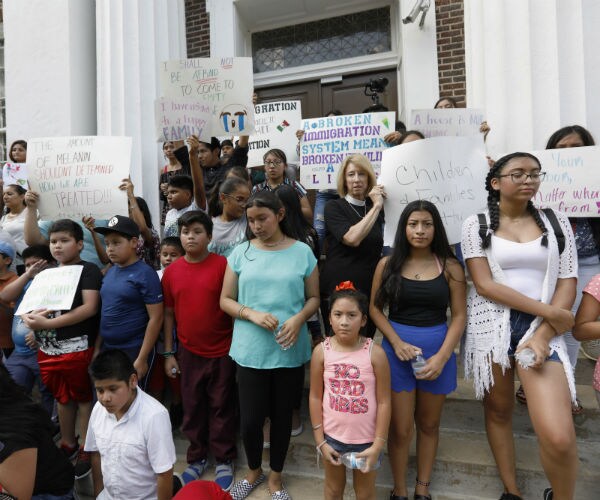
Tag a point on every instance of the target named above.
point(122, 225)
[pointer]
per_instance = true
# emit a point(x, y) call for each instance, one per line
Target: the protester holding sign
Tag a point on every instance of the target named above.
point(13, 222)
point(418, 282)
point(275, 167)
point(354, 231)
point(213, 168)
point(524, 271)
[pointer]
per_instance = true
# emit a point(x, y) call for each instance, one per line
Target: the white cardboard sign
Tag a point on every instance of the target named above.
point(446, 121)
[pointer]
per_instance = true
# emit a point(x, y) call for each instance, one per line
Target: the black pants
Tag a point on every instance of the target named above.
point(267, 393)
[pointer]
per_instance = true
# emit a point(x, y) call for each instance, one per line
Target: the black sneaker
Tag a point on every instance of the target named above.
point(82, 466)
point(510, 496)
point(548, 495)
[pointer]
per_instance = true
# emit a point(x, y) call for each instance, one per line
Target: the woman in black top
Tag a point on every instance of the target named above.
point(30, 462)
point(418, 281)
point(354, 231)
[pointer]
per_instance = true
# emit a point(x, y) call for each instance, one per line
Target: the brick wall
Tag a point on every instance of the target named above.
point(197, 28)
point(451, 48)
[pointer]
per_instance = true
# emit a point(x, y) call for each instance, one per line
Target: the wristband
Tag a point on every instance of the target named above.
point(382, 439)
point(315, 427)
point(168, 354)
point(319, 446)
point(241, 311)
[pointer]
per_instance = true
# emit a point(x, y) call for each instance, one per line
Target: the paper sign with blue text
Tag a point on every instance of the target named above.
point(78, 176)
point(572, 182)
point(450, 172)
point(446, 121)
point(327, 141)
point(178, 118)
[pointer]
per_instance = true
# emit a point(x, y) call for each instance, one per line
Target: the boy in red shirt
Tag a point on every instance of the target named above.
point(191, 289)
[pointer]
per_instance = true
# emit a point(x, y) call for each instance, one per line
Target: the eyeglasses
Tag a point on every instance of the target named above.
point(240, 200)
point(275, 163)
point(521, 177)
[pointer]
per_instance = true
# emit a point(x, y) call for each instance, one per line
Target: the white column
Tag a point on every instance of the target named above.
point(50, 60)
point(228, 33)
point(419, 85)
point(533, 66)
point(132, 38)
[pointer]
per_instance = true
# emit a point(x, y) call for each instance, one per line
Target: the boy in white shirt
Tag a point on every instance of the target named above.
point(129, 435)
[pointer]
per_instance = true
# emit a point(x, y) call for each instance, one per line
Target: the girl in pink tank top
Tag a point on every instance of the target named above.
point(349, 395)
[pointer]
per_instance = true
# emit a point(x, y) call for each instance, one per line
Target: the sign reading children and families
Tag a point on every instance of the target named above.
point(572, 183)
point(446, 121)
point(449, 172)
point(78, 176)
point(327, 141)
point(219, 88)
point(276, 126)
point(52, 290)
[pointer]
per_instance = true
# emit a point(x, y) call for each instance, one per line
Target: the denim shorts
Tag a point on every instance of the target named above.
point(343, 448)
point(519, 324)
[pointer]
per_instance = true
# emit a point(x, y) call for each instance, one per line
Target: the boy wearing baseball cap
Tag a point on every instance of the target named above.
point(132, 302)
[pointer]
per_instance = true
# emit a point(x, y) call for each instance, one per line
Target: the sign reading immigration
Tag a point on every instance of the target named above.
point(327, 141)
point(276, 126)
point(52, 289)
point(77, 176)
point(225, 84)
point(572, 183)
point(446, 122)
point(15, 173)
point(177, 118)
point(447, 171)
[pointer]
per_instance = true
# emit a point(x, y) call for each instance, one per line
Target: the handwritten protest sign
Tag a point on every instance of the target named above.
point(77, 176)
point(15, 173)
point(447, 121)
point(52, 289)
point(572, 183)
point(327, 141)
point(276, 126)
point(224, 83)
point(177, 119)
point(447, 171)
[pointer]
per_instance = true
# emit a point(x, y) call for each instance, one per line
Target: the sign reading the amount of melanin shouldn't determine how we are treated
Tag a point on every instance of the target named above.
point(224, 84)
point(77, 176)
point(447, 171)
point(327, 141)
point(572, 183)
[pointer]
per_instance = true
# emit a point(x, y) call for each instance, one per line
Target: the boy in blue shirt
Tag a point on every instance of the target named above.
point(132, 307)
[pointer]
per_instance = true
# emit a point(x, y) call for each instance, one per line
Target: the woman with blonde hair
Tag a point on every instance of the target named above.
point(353, 231)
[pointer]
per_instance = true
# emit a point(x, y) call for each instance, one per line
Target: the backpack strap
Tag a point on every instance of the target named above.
point(556, 227)
point(483, 226)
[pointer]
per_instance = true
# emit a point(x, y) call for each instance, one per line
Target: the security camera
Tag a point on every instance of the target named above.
point(420, 7)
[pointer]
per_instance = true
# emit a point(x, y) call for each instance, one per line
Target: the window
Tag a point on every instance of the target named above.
point(352, 35)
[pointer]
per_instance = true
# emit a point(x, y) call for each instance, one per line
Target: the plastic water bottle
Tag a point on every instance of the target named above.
point(526, 357)
point(418, 362)
point(276, 335)
point(352, 462)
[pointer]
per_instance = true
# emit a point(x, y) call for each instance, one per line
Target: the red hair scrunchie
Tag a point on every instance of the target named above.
point(345, 285)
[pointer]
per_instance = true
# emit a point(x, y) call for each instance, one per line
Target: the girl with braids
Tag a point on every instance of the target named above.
point(522, 298)
point(587, 242)
point(417, 282)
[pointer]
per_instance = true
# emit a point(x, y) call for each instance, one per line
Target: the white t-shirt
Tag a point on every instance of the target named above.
point(171, 228)
point(133, 449)
point(15, 227)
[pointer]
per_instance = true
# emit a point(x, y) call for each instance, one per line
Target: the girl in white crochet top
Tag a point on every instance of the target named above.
point(522, 298)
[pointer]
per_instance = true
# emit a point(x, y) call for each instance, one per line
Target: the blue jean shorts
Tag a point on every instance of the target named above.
point(519, 324)
point(343, 448)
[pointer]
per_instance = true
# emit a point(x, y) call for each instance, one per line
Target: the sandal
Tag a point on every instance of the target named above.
point(426, 485)
point(576, 407)
point(393, 496)
point(520, 395)
point(243, 488)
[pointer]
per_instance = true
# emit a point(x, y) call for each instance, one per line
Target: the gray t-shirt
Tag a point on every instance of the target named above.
point(227, 235)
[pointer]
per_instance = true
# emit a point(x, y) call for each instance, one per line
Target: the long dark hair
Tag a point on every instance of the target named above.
point(391, 279)
point(298, 225)
point(268, 199)
point(493, 198)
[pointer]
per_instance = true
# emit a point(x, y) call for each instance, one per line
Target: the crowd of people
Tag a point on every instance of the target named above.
point(247, 286)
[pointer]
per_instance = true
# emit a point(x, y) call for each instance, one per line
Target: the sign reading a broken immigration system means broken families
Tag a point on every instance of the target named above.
point(572, 183)
point(327, 141)
point(78, 176)
point(276, 126)
point(225, 84)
